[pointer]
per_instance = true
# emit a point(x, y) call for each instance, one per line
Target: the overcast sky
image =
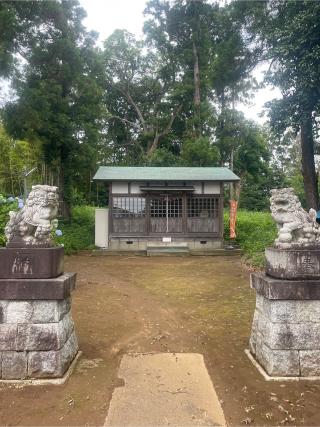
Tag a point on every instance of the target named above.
point(104, 16)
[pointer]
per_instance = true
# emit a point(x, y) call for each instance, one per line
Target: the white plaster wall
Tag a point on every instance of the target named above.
point(101, 227)
point(135, 187)
point(212, 188)
point(120, 187)
point(198, 187)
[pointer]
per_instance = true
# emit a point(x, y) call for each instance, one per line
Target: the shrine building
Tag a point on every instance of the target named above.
point(162, 207)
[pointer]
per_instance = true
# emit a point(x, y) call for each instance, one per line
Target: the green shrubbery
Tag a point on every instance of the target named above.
point(255, 231)
point(79, 233)
point(5, 207)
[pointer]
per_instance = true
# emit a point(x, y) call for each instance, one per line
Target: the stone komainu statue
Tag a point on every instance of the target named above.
point(32, 225)
point(296, 227)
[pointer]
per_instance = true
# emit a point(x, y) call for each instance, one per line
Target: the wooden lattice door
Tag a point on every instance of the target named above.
point(166, 214)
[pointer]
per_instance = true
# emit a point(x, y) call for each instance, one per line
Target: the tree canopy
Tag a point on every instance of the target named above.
point(288, 34)
point(167, 99)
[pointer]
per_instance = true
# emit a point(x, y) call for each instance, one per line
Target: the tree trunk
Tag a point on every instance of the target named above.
point(166, 130)
point(310, 179)
point(197, 99)
point(154, 145)
point(64, 203)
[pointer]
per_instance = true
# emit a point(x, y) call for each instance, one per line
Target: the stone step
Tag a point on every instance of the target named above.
point(167, 250)
point(216, 252)
point(143, 252)
point(167, 245)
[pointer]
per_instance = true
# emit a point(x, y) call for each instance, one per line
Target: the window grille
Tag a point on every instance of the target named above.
point(175, 208)
point(129, 207)
point(161, 206)
point(158, 208)
point(203, 207)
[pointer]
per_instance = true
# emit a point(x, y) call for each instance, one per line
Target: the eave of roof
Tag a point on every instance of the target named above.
point(133, 173)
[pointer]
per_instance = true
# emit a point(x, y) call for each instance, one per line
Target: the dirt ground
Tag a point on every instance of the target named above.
point(176, 304)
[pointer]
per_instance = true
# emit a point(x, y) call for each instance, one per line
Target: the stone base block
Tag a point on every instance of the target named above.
point(38, 364)
point(268, 377)
point(37, 339)
point(35, 336)
point(52, 364)
point(310, 363)
point(293, 263)
point(58, 288)
point(285, 334)
point(14, 365)
point(278, 362)
point(34, 311)
point(276, 289)
point(46, 380)
point(31, 263)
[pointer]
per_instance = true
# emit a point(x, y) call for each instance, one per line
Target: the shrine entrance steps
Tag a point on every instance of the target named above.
point(167, 249)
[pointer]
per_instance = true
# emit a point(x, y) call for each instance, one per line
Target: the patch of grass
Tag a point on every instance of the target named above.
point(255, 231)
point(79, 233)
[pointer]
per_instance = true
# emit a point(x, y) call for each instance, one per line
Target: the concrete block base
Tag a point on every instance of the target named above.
point(45, 381)
point(267, 377)
point(285, 335)
point(141, 244)
point(37, 339)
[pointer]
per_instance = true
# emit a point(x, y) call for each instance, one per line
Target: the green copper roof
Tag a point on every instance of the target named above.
point(125, 173)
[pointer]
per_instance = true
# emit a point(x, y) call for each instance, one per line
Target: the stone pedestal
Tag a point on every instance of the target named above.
point(293, 263)
point(37, 337)
point(27, 263)
point(285, 335)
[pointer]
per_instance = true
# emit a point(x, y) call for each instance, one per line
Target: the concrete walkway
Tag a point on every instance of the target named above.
point(164, 389)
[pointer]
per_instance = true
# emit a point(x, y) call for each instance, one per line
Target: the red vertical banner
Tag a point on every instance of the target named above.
point(233, 218)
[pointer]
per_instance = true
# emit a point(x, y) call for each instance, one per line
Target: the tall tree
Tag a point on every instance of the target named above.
point(58, 95)
point(140, 92)
point(20, 28)
point(215, 64)
point(288, 32)
point(182, 29)
point(233, 60)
